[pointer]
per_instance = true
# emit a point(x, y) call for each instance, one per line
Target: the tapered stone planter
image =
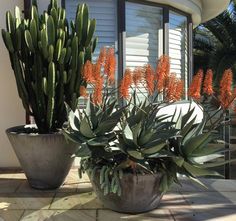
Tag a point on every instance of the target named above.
point(45, 158)
point(140, 193)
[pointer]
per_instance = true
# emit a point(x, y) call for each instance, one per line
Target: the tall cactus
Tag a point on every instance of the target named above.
point(47, 57)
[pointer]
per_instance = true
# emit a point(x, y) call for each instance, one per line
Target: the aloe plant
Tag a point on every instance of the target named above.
point(47, 55)
point(137, 139)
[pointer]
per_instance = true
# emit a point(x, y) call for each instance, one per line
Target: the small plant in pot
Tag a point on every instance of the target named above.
point(47, 56)
point(133, 152)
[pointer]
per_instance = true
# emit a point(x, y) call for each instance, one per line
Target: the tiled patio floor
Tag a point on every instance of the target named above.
point(75, 201)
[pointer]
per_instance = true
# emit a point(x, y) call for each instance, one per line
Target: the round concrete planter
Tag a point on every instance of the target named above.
point(140, 193)
point(45, 158)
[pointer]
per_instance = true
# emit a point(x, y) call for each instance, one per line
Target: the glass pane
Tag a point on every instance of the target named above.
point(144, 34)
point(178, 46)
point(104, 11)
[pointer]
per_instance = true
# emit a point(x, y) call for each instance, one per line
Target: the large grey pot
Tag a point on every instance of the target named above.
point(45, 158)
point(140, 193)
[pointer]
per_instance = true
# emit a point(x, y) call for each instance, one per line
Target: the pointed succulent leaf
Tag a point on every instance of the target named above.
point(185, 130)
point(83, 151)
point(154, 149)
point(135, 154)
point(98, 142)
point(199, 172)
point(186, 117)
point(179, 161)
point(195, 143)
point(85, 128)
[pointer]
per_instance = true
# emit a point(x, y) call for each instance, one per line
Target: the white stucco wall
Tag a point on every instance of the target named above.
point(11, 111)
point(201, 10)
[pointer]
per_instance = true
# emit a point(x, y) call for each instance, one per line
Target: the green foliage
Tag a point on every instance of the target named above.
point(138, 139)
point(47, 59)
point(215, 44)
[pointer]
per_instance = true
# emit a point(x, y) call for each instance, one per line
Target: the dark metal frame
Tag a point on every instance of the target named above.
point(27, 4)
point(63, 3)
point(226, 137)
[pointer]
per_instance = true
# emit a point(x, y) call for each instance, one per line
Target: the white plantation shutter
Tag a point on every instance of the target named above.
point(104, 11)
point(144, 37)
point(143, 34)
point(178, 46)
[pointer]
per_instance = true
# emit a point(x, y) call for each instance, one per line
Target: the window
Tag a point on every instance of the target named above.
point(178, 46)
point(146, 30)
point(144, 34)
point(104, 11)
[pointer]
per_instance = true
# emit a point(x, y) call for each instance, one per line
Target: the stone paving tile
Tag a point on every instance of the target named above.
point(25, 201)
point(73, 176)
point(76, 201)
point(156, 215)
point(9, 185)
point(68, 188)
point(187, 186)
point(10, 215)
point(84, 187)
point(220, 185)
point(26, 188)
point(59, 215)
point(172, 201)
point(213, 200)
point(203, 215)
point(13, 176)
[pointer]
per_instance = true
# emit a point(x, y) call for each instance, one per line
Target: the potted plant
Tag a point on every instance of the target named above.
point(47, 56)
point(132, 152)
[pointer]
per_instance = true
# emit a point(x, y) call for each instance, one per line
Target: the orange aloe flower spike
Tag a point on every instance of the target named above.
point(102, 56)
point(226, 92)
point(195, 87)
point(125, 84)
point(207, 84)
point(137, 75)
point(179, 90)
point(162, 72)
point(149, 78)
point(110, 65)
point(83, 92)
point(88, 72)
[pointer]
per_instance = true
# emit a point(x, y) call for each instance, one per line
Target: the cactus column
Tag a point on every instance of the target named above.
point(47, 59)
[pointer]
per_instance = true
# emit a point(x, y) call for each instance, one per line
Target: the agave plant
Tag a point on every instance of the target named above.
point(138, 139)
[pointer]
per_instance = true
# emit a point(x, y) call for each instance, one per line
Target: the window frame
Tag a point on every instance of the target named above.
point(166, 12)
point(121, 33)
